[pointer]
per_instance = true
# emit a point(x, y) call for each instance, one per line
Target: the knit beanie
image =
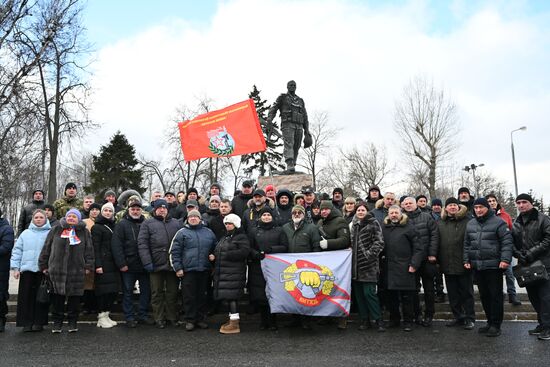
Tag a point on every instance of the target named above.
point(482, 201)
point(194, 213)
point(298, 208)
point(525, 197)
point(451, 200)
point(108, 205)
point(437, 202)
point(326, 204)
point(215, 198)
point(463, 189)
point(75, 212)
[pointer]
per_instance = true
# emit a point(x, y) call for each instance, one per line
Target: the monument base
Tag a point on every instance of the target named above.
point(294, 182)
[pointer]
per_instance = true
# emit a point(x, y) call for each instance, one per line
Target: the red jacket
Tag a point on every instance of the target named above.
point(501, 213)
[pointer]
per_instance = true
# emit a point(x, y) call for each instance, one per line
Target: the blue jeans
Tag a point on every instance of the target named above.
point(510, 281)
point(129, 281)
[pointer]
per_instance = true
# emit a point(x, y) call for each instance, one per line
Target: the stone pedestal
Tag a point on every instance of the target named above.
point(293, 183)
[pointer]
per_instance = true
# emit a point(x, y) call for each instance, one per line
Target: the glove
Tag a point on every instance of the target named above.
point(262, 255)
point(529, 258)
point(323, 244)
point(149, 268)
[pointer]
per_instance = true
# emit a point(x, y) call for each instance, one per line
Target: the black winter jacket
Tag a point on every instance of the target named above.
point(269, 239)
point(284, 212)
point(240, 203)
point(125, 244)
point(401, 250)
point(214, 220)
point(230, 266)
point(426, 230)
point(6, 245)
point(154, 240)
point(25, 218)
point(102, 234)
point(487, 242)
point(532, 236)
point(451, 246)
point(191, 247)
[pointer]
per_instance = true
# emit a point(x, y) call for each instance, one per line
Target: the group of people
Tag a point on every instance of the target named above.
point(210, 249)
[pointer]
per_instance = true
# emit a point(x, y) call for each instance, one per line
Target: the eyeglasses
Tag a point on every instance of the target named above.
point(297, 213)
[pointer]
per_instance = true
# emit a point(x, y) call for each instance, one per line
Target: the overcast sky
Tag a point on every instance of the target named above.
point(349, 58)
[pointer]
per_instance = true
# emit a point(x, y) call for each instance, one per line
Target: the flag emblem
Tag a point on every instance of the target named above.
point(221, 142)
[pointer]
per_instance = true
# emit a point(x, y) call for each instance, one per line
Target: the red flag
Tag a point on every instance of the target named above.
point(234, 130)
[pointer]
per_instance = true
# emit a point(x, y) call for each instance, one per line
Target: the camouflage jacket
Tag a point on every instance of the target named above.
point(63, 205)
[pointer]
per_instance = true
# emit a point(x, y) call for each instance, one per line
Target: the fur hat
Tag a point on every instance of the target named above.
point(232, 218)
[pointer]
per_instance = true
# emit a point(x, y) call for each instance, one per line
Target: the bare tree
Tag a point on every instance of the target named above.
point(63, 93)
point(367, 166)
point(426, 120)
point(322, 135)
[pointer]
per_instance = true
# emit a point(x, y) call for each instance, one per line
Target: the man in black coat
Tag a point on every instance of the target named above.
point(284, 206)
point(488, 251)
point(531, 232)
point(240, 202)
point(126, 255)
point(25, 218)
point(373, 196)
point(428, 236)
point(6, 245)
point(466, 199)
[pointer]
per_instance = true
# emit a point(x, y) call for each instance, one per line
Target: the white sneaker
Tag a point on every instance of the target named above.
point(109, 320)
point(102, 321)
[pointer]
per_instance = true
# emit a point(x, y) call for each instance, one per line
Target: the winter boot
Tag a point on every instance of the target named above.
point(2, 324)
point(514, 300)
point(102, 321)
point(231, 328)
point(112, 322)
point(380, 326)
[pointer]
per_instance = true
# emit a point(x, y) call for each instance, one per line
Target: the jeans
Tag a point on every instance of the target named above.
point(128, 283)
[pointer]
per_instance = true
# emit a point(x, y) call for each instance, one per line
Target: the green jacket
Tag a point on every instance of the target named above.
point(335, 230)
point(451, 246)
point(63, 205)
point(305, 238)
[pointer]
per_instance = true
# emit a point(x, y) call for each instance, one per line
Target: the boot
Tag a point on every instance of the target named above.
point(231, 328)
point(342, 324)
point(380, 325)
point(514, 300)
point(364, 325)
point(112, 322)
point(2, 324)
point(102, 321)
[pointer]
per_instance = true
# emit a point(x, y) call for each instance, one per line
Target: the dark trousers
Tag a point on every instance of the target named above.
point(164, 295)
point(367, 300)
point(292, 137)
point(128, 283)
point(439, 290)
point(403, 298)
point(58, 304)
point(194, 286)
point(233, 306)
point(30, 312)
point(105, 301)
point(90, 301)
point(460, 289)
point(426, 274)
point(489, 283)
point(539, 295)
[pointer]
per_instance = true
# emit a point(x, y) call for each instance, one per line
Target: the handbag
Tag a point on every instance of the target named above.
point(44, 290)
point(530, 274)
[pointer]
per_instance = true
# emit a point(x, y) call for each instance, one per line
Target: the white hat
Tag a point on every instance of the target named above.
point(234, 219)
point(108, 205)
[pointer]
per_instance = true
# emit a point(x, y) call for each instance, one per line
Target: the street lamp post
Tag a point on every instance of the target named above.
point(523, 128)
point(472, 167)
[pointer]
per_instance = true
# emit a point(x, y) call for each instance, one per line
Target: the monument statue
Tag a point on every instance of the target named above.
point(294, 125)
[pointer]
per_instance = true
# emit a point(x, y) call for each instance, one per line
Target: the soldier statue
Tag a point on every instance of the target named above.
point(294, 125)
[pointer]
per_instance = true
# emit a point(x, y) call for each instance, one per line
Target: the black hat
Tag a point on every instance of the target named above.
point(374, 187)
point(50, 207)
point(403, 198)
point(192, 189)
point(451, 200)
point(95, 206)
point(337, 189)
point(135, 203)
point(421, 196)
point(308, 190)
point(259, 192)
point(38, 190)
point(265, 209)
point(169, 193)
point(70, 185)
point(482, 201)
point(248, 183)
point(160, 203)
point(527, 197)
point(464, 189)
point(437, 202)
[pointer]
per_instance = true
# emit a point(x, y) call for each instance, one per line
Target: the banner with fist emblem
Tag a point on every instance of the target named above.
point(314, 283)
